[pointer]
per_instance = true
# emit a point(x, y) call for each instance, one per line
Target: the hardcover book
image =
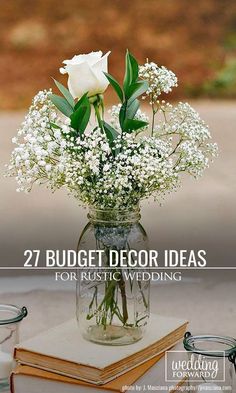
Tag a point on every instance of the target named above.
point(150, 373)
point(64, 351)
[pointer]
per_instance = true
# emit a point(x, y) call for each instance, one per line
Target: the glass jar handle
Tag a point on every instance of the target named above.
point(232, 359)
point(187, 335)
point(24, 311)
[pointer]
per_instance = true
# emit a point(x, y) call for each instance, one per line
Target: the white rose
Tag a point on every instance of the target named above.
point(86, 74)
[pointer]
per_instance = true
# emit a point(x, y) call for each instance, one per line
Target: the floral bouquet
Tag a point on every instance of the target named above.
point(122, 160)
point(113, 164)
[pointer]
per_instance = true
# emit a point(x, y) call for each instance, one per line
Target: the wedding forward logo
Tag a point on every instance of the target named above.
point(194, 367)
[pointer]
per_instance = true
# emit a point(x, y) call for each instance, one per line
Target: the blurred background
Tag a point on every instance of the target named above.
point(195, 40)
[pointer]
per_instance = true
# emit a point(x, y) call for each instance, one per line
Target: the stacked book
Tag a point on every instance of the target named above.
point(61, 361)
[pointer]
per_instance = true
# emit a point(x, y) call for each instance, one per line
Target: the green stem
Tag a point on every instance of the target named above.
point(139, 284)
point(153, 120)
point(154, 111)
point(96, 106)
point(123, 298)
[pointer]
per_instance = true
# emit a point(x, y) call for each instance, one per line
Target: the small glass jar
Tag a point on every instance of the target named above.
point(10, 317)
point(112, 309)
point(212, 363)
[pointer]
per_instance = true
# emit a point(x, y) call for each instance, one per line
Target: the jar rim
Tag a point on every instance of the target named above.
point(229, 342)
point(110, 215)
point(111, 209)
point(20, 313)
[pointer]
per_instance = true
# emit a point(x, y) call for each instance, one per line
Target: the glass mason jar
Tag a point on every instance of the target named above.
point(212, 363)
point(112, 301)
point(10, 317)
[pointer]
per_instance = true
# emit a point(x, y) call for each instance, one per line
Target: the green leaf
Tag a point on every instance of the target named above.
point(122, 114)
point(85, 120)
point(80, 118)
point(115, 85)
point(132, 109)
point(65, 93)
point(134, 66)
point(81, 115)
point(128, 72)
point(128, 111)
point(111, 133)
point(131, 125)
point(61, 104)
point(77, 116)
point(131, 71)
point(82, 101)
point(136, 89)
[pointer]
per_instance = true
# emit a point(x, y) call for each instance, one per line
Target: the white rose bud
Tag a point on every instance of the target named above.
point(86, 74)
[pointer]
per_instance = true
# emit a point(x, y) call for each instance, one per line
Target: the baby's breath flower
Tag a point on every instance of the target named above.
point(160, 80)
point(184, 127)
point(38, 151)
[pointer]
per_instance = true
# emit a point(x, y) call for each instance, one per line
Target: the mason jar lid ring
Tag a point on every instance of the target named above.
point(191, 341)
point(17, 314)
point(232, 358)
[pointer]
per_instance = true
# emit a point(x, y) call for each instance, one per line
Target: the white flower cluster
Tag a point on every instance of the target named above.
point(184, 120)
point(160, 80)
point(38, 155)
point(188, 134)
point(49, 151)
point(139, 169)
point(114, 112)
